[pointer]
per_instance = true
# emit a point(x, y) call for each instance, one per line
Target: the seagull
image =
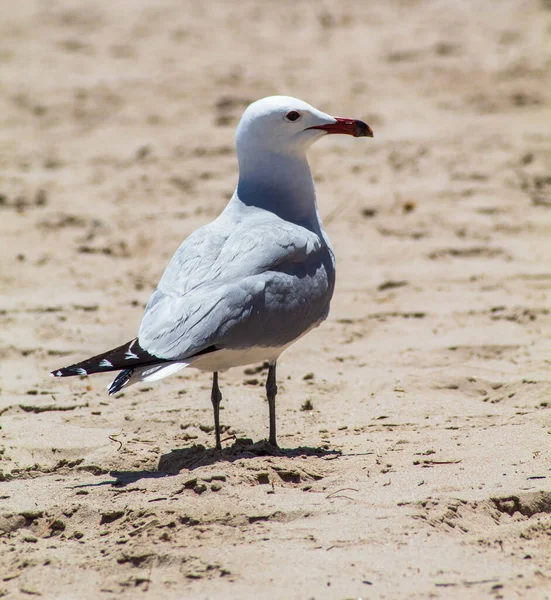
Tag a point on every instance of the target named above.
point(243, 288)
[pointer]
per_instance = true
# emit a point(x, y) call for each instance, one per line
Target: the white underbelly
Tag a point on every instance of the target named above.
point(224, 359)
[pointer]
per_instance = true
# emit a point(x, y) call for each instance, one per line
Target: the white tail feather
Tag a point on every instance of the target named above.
point(161, 371)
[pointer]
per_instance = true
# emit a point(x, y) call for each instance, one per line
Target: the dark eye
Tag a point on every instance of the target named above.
point(292, 115)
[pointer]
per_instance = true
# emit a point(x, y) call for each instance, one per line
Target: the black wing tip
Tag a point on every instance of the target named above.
point(69, 371)
point(126, 356)
point(120, 381)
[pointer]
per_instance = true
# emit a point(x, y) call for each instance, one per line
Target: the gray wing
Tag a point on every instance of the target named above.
point(261, 282)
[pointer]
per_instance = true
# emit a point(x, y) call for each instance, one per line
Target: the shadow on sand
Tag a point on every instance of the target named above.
point(198, 456)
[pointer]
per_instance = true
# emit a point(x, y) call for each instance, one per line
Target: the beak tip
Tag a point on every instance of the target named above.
point(363, 129)
point(353, 127)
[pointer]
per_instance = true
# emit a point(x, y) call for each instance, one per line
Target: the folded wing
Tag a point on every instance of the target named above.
point(260, 275)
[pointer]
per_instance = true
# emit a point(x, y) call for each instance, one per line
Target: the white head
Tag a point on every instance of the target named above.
point(272, 139)
point(281, 124)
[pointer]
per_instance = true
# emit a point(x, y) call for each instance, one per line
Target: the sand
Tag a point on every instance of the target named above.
point(414, 424)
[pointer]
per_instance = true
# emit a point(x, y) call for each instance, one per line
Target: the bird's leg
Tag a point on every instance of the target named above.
point(271, 391)
point(215, 398)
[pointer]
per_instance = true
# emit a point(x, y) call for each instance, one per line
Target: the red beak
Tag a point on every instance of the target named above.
point(352, 127)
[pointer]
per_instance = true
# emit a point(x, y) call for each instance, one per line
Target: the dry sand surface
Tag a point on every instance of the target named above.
point(414, 424)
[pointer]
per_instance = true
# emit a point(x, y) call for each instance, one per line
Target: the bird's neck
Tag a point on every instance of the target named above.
point(281, 184)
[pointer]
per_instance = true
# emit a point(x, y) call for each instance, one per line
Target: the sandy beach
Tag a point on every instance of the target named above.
point(414, 424)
